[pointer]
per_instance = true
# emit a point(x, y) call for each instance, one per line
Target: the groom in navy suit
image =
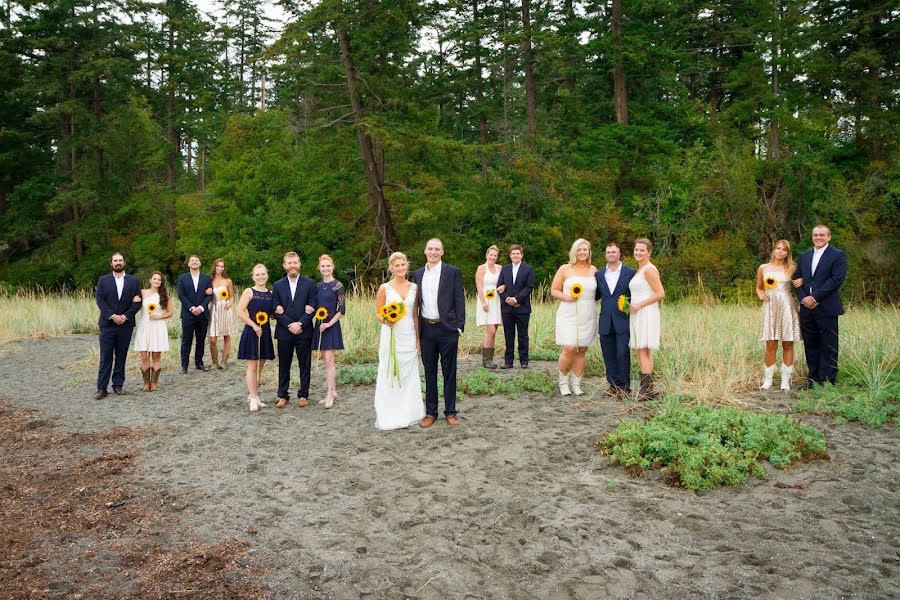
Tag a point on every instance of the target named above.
point(822, 269)
point(517, 282)
point(118, 297)
point(291, 296)
point(442, 318)
point(612, 282)
point(194, 291)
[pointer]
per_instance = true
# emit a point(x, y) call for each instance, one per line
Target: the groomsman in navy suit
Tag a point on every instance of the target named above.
point(294, 330)
point(118, 296)
point(517, 281)
point(442, 318)
point(614, 330)
point(822, 269)
point(194, 291)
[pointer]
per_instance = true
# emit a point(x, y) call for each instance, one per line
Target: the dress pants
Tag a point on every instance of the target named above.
point(820, 344)
point(114, 342)
point(438, 342)
point(302, 347)
point(515, 324)
point(193, 330)
point(617, 359)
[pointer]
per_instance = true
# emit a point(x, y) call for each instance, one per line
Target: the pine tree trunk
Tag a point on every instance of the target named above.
point(528, 59)
point(384, 226)
point(479, 91)
point(619, 90)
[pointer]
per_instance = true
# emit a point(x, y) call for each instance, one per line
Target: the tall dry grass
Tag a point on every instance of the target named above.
point(710, 352)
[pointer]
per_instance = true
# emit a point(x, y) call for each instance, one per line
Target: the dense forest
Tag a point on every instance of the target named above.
point(360, 127)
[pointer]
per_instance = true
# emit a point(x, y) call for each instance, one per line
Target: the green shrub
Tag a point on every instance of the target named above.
point(357, 375)
point(486, 383)
point(873, 406)
point(703, 447)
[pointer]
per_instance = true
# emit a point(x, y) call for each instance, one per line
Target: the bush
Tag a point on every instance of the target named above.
point(703, 447)
point(848, 402)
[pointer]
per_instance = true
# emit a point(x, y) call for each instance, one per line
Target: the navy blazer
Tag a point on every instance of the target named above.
point(110, 304)
point(826, 283)
point(613, 320)
point(520, 290)
point(451, 296)
point(294, 310)
point(189, 297)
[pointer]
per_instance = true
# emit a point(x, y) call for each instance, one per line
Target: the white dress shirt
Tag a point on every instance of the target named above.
point(293, 284)
point(431, 279)
point(612, 277)
point(515, 271)
point(817, 256)
point(120, 283)
point(196, 280)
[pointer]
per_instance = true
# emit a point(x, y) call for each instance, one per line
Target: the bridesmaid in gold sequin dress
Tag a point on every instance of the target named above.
point(781, 321)
point(221, 314)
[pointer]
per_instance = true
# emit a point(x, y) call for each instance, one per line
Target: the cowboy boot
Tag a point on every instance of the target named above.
point(146, 374)
point(646, 392)
point(576, 384)
point(768, 373)
point(154, 379)
point(564, 384)
point(786, 372)
point(487, 358)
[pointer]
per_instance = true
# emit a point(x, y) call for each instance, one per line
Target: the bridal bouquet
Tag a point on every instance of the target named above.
point(623, 304)
point(490, 294)
point(770, 282)
point(223, 294)
point(393, 313)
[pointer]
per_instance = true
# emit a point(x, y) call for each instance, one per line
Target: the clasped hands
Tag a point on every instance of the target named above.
point(511, 300)
point(296, 328)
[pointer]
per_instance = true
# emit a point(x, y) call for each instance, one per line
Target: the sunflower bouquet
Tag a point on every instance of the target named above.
point(623, 304)
point(223, 294)
point(151, 308)
point(261, 319)
point(393, 313)
point(490, 294)
point(575, 292)
point(320, 316)
point(770, 282)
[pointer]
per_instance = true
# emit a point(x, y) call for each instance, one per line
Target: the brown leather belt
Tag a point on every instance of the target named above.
point(432, 321)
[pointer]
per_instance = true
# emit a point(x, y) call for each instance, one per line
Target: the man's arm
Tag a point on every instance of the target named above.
point(135, 292)
point(460, 298)
point(525, 292)
point(181, 291)
point(283, 319)
point(106, 309)
point(834, 281)
point(312, 299)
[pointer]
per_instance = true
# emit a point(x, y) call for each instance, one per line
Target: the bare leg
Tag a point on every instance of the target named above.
point(145, 360)
point(157, 360)
point(226, 348)
point(214, 349)
point(771, 351)
point(578, 362)
point(645, 359)
point(252, 382)
point(566, 359)
point(490, 336)
point(330, 377)
point(787, 354)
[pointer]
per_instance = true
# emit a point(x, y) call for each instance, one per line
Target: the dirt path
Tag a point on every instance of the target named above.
point(516, 503)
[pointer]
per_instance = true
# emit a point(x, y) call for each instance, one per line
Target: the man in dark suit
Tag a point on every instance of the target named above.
point(442, 318)
point(822, 270)
point(293, 332)
point(517, 281)
point(194, 291)
point(612, 282)
point(119, 298)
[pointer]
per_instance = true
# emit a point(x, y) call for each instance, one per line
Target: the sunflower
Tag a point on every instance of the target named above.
point(576, 290)
point(770, 282)
point(262, 318)
point(623, 303)
point(490, 294)
point(394, 307)
point(223, 295)
point(322, 313)
point(385, 311)
point(151, 308)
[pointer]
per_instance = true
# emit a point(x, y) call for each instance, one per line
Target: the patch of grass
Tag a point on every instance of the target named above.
point(486, 383)
point(701, 447)
point(850, 402)
point(357, 375)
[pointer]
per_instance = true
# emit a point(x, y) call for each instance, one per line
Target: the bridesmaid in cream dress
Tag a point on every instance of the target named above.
point(646, 292)
point(221, 314)
point(576, 318)
point(152, 336)
point(487, 315)
point(781, 320)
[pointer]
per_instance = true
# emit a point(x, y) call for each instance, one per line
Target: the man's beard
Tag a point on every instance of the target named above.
point(118, 268)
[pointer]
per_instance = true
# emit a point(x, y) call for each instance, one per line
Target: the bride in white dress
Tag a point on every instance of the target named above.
point(398, 403)
point(575, 286)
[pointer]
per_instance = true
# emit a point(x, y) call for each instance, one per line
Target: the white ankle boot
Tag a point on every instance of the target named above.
point(786, 372)
point(564, 384)
point(576, 384)
point(768, 374)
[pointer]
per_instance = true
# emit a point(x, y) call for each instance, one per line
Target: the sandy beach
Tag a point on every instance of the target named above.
point(515, 503)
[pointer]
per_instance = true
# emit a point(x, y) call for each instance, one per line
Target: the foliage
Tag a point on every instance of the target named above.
point(703, 447)
point(486, 383)
point(357, 375)
point(848, 402)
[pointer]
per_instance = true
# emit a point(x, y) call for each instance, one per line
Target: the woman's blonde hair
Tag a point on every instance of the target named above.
point(395, 257)
point(645, 242)
point(258, 266)
point(325, 257)
point(788, 260)
point(494, 248)
point(574, 250)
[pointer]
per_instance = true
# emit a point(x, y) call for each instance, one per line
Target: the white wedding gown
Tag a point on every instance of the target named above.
point(399, 404)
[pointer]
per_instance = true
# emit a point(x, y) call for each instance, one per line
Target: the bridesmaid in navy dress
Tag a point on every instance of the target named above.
point(256, 347)
point(327, 334)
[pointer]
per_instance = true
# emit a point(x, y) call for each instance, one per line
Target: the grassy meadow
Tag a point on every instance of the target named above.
point(709, 351)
